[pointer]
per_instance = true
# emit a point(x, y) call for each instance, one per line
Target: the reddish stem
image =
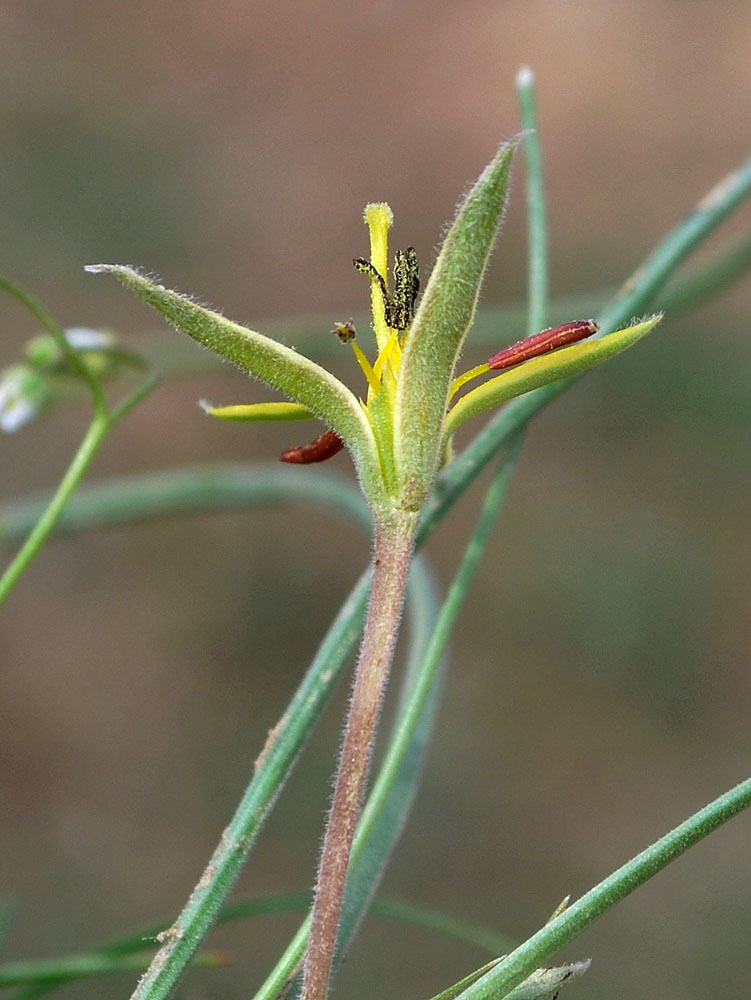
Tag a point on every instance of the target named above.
point(391, 561)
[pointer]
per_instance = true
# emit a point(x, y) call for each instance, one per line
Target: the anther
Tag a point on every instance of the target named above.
point(346, 332)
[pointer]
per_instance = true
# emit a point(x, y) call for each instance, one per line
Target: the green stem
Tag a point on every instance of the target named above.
point(494, 325)
point(100, 426)
point(96, 433)
point(642, 287)
point(272, 768)
point(72, 356)
point(638, 293)
point(535, 951)
point(394, 542)
point(537, 230)
point(702, 282)
point(169, 492)
point(127, 954)
point(53, 971)
point(402, 743)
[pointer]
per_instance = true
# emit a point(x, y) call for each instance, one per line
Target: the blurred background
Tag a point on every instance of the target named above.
point(599, 686)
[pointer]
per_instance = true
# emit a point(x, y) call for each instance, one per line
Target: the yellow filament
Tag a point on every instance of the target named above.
point(374, 380)
point(391, 354)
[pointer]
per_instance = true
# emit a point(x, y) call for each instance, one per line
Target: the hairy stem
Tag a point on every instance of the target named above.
point(394, 540)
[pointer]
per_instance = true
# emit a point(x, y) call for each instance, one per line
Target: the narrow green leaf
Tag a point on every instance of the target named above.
point(454, 991)
point(516, 967)
point(279, 366)
point(566, 363)
point(54, 971)
point(440, 326)
point(170, 492)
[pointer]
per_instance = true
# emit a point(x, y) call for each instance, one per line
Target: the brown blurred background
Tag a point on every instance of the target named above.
point(599, 689)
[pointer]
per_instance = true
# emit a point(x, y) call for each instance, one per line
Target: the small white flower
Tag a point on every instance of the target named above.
point(23, 396)
point(85, 338)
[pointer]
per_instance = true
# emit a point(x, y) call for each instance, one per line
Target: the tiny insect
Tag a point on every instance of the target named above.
point(399, 308)
point(541, 343)
point(325, 446)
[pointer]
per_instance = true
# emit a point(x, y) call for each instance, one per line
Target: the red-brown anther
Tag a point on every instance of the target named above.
point(541, 343)
point(325, 446)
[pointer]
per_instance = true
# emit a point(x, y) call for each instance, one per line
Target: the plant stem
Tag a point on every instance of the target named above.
point(96, 433)
point(170, 492)
point(521, 962)
point(101, 424)
point(273, 766)
point(537, 228)
point(394, 540)
point(71, 355)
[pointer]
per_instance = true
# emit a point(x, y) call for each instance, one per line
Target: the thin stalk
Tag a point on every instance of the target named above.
point(494, 325)
point(127, 953)
point(53, 971)
point(169, 492)
point(433, 655)
point(638, 293)
point(535, 951)
point(101, 424)
point(72, 356)
point(650, 278)
point(537, 230)
point(96, 433)
point(402, 743)
point(272, 768)
point(394, 542)
point(708, 279)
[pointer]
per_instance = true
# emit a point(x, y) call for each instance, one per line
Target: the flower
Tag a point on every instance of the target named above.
point(24, 394)
point(398, 434)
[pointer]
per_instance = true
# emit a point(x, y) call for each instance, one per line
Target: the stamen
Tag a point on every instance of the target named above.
point(390, 354)
point(399, 308)
point(400, 311)
point(365, 267)
point(374, 380)
point(346, 332)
